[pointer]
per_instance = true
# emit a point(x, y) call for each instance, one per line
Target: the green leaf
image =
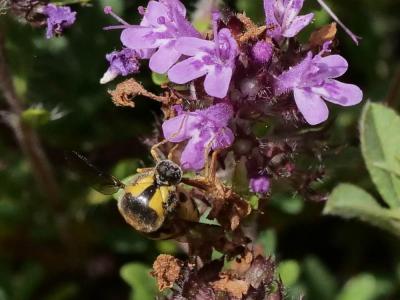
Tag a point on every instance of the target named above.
point(321, 283)
point(290, 204)
point(36, 117)
point(268, 240)
point(202, 25)
point(95, 198)
point(321, 18)
point(3, 295)
point(380, 145)
point(125, 167)
point(65, 291)
point(138, 277)
point(167, 247)
point(254, 201)
point(159, 79)
point(205, 220)
point(21, 85)
point(289, 271)
point(364, 287)
point(253, 9)
point(28, 281)
point(350, 201)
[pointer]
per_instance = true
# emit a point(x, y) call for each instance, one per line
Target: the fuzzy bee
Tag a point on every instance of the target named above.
point(150, 201)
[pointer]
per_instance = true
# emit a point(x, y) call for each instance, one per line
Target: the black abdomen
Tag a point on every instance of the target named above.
point(137, 212)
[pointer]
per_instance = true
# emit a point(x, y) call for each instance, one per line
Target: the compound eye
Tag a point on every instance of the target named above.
point(168, 172)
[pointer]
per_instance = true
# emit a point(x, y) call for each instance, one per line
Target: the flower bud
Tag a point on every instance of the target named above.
point(259, 184)
point(262, 51)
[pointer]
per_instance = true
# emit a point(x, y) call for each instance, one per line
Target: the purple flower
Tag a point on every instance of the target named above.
point(122, 62)
point(259, 184)
point(215, 59)
point(162, 24)
point(282, 18)
point(311, 80)
point(204, 129)
point(58, 18)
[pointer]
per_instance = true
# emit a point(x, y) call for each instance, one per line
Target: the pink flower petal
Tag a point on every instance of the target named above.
point(186, 71)
point(293, 8)
point(144, 53)
point(196, 150)
point(154, 11)
point(181, 128)
point(138, 38)
point(340, 93)
point(293, 76)
point(192, 46)
point(223, 139)
point(279, 9)
point(312, 107)
point(331, 66)
point(219, 114)
point(164, 58)
point(217, 81)
point(178, 6)
point(297, 25)
point(274, 28)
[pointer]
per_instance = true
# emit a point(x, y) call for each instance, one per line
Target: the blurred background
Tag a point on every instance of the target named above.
point(76, 245)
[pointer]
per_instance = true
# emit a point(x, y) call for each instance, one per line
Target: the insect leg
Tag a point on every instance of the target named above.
point(144, 170)
point(207, 160)
point(156, 152)
point(212, 167)
point(171, 152)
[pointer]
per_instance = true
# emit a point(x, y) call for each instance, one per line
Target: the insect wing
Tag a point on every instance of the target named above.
point(98, 180)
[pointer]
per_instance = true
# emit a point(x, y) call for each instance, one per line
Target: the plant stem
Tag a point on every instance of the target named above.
point(26, 136)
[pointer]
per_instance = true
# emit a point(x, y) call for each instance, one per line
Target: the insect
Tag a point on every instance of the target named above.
point(151, 201)
point(157, 203)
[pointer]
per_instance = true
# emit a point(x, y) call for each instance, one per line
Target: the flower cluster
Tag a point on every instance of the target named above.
point(205, 130)
point(39, 13)
point(58, 18)
point(235, 76)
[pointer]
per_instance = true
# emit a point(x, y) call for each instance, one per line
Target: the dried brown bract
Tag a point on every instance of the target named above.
point(252, 31)
point(235, 287)
point(166, 270)
point(126, 91)
point(257, 281)
point(323, 35)
point(242, 264)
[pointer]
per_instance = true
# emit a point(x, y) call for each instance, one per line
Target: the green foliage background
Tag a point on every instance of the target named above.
point(95, 254)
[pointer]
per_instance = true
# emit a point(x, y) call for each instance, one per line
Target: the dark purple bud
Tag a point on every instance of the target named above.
point(259, 184)
point(262, 51)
